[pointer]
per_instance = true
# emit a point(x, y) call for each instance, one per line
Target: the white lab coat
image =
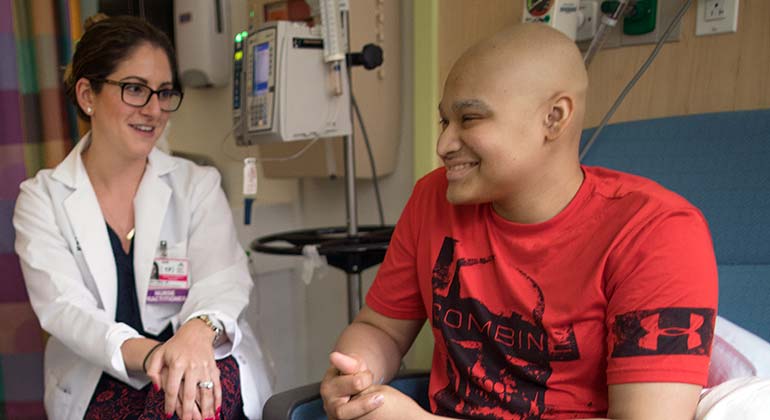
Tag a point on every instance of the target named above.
point(70, 273)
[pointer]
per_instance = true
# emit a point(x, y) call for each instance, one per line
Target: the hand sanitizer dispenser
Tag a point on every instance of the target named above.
point(203, 47)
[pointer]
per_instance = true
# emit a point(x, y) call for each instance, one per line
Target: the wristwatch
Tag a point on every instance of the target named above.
point(215, 326)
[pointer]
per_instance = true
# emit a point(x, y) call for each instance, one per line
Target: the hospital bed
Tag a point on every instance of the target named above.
point(721, 163)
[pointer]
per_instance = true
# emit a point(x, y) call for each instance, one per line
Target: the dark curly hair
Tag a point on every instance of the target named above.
point(106, 42)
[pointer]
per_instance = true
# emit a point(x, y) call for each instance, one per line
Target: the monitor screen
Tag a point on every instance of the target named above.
point(261, 68)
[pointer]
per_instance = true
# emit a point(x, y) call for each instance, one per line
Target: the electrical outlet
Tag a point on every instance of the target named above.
point(716, 17)
point(715, 10)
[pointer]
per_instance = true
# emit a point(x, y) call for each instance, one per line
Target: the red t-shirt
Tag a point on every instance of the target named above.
point(535, 320)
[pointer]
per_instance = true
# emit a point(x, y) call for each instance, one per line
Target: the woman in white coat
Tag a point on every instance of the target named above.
point(130, 256)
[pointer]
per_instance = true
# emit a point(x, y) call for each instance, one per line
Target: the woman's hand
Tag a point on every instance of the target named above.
point(188, 358)
point(135, 351)
point(196, 411)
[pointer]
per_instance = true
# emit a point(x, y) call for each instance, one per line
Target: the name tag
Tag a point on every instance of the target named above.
point(169, 280)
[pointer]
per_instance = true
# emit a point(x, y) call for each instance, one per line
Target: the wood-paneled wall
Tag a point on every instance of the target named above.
point(696, 75)
point(462, 23)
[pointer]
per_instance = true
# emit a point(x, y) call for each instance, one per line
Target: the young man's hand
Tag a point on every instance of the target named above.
point(369, 351)
point(395, 405)
point(342, 386)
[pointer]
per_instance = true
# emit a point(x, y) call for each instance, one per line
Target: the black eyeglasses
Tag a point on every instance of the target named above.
point(139, 94)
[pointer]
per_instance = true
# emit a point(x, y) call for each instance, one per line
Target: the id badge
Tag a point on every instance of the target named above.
point(169, 280)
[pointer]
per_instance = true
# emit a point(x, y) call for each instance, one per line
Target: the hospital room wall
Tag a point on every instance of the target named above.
point(298, 323)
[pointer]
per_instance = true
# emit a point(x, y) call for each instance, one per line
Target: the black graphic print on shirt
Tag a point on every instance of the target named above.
point(663, 331)
point(498, 363)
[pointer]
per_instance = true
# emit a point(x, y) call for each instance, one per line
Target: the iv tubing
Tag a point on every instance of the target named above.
point(608, 22)
point(637, 76)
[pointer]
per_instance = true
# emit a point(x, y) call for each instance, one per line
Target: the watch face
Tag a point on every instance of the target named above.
point(218, 331)
point(539, 8)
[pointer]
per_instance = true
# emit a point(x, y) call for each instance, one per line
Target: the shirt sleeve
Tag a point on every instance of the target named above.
point(66, 308)
point(221, 282)
point(662, 299)
point(396, 290)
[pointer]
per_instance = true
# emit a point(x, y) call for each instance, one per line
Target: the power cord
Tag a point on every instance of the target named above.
point(375, 179)
point(273, 159)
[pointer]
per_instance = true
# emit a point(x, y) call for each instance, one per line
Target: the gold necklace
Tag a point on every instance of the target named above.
point(131, 232)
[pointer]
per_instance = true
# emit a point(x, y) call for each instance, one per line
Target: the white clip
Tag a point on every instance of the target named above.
point(313, 263)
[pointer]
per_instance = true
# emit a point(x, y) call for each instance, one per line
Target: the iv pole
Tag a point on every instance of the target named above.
point(370, 58)
point(363, 246)
point(331, 10)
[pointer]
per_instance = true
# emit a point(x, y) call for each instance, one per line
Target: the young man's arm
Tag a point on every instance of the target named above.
point(636, 401)
point(369, 351)
point(653, 400)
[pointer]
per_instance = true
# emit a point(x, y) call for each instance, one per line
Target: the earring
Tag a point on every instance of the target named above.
point(89, 110)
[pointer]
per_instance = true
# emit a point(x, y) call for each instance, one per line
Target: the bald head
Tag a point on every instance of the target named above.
point(527, 59)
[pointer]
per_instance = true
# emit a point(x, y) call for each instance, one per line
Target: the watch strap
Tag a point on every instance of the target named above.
point(215, 326)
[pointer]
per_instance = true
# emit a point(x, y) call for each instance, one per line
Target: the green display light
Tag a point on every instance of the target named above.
point(238, 38)
point(244, 34)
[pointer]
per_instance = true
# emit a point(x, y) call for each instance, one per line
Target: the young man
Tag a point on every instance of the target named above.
point(553, 290)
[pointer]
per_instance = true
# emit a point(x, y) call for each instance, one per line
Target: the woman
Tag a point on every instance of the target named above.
point(130, 256)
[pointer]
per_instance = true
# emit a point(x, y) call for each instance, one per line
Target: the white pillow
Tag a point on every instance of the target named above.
point(737, 353)
point(741, 398)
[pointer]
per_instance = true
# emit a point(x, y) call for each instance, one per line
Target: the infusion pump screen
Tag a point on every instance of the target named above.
point(261, 68)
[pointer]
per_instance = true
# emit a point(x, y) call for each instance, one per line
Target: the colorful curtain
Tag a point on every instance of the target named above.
point(37, 129)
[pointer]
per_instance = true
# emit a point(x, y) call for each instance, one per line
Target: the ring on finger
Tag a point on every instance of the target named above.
point(206, 384)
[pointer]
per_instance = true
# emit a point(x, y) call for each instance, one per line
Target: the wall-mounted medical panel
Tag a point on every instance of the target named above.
point(644, 24)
